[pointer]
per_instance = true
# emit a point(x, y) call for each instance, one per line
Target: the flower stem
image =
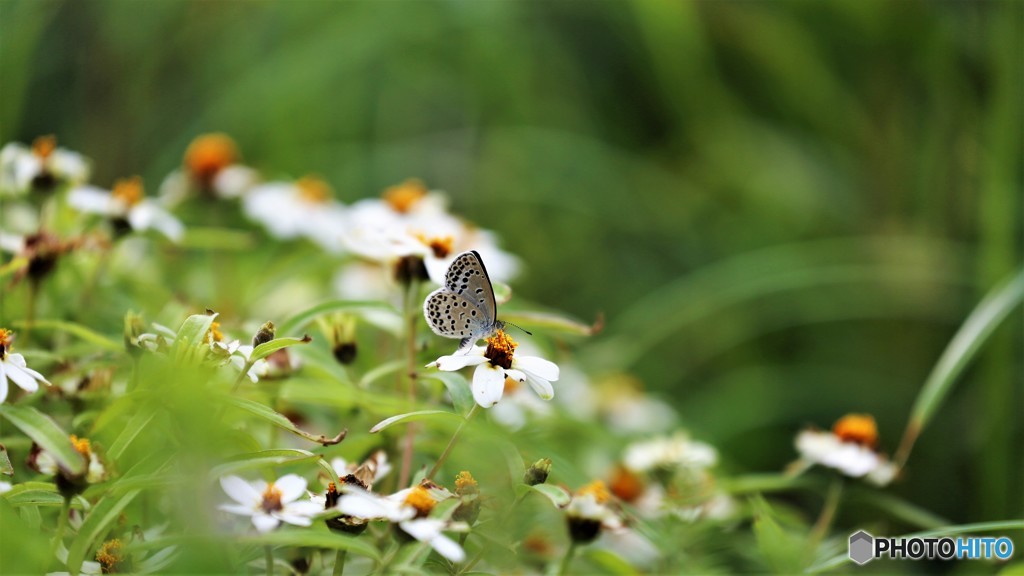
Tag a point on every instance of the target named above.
point(270, 559)
point(563, 568)
point(62, 524)
point(241, 376)
point(409, 311)
point(451, 443)
point(339, 563)
point(30, 310)
point(828, 512)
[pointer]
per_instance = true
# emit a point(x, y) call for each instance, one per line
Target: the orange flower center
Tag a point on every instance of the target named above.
point(214, 334)
point(500, 349)
point(466, 484)
point(406, 195)
point(129, 190)
point(626, 485)
point(81, 445)
point(110, 555)
point(420, 499)
point(598, 489)
point(272, 499)
point(208, 154)
point(6, 338)
point(44, 146)
point(314, 190)
point(857, 428)
point(441, 246)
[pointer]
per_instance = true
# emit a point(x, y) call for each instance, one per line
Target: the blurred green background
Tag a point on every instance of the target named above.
point(784, 210)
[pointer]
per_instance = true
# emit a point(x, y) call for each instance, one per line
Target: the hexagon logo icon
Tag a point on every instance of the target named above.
point(862, 547)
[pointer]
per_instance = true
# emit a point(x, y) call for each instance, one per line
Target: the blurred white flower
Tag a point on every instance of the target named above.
point(13, 368)
point(44, 462)
point(211, 168)
point(589, 512)
point(496, 362)
point(5, 486)
point(849, 448)
point(409, 509)
point(270, 504)
point(410, 221)
point(373, 468)
point(303, 208)
point(127, 207)
point(43, 167)
point(670, 452)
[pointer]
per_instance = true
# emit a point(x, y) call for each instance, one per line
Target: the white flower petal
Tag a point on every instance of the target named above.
point(3, 384)
point(19, 361)
point(294, 519)
point(539, 367)
point(149, 214)
point(241, 491)
point(488, 385)
point(22, 379)
point(460, 361)
point(303, 508)
point(541, 386)
point(239, 509)
point(364, 505)
point(291, 486)
point(264, 522)
point(93, 200)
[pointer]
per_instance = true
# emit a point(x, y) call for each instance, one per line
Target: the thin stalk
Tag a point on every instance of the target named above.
point(451, 443)
point(409, 312)
point(339, 563)
point(828, 512)
point(30, 311)
point(62, 524)
point(269, 556)
point(563, 568)
point(242, 376)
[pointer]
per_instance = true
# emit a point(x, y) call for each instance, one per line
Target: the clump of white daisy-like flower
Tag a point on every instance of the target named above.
point(14, 368)
point(850, 447)
point(269, 504)
point(303, 208)
point(590, 511)
point(410, 510)
point(127, 208)
point(69, 484)
point(42, 167)
point(211, 168)
point(495, 363)
point(670, 452)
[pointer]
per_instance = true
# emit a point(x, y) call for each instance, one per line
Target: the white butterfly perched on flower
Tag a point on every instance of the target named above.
point(464, 307)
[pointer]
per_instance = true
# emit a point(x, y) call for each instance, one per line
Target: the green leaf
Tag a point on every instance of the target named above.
point(556, 494)
point(983, 320)
point(95, 526)
point(5, 462)
point(138, 422)
point(263, 459)
point(610, 561)
point(458, 388)
point(217, 239)
point(268, 348)
point(46, 498)
point(780, 550)
point(87, 334)
point(45, 432)
point(381, 371)
point(191, 340)
point(279, 420)
point(315, 539)
point(556, 322)
point(434, 415)
point(300, 320)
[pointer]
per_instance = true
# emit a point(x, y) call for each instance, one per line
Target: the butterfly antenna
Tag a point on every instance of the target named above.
point(528, 333)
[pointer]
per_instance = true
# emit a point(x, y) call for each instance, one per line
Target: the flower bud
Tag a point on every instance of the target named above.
point(263, 335)
point(538, 472)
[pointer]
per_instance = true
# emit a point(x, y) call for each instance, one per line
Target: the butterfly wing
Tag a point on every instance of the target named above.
point(464, 307)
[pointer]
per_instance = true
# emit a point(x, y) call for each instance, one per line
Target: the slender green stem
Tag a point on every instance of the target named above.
point(828, 512)
point(62, 524)
point(339, 563)
point(30, 311)
point(242, 376)
point(563, 568)
point(451, 443)
point(269, 556)
point(409, 378)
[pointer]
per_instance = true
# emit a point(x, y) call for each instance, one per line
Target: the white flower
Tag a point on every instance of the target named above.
point(411, 221)
point(303, 208)
point(43, 166)
point(270, 504)
point(589, 512)
point(377, 465)
point(45, 463)
point(496, 362)
point(670, 452)
point(210, 167)
point(13, 367)
point(408, 508)
point(5, 486)
point(125, 204)
point(849, 448)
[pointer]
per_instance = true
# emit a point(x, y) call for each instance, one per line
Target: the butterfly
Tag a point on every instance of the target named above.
point(465, 306)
